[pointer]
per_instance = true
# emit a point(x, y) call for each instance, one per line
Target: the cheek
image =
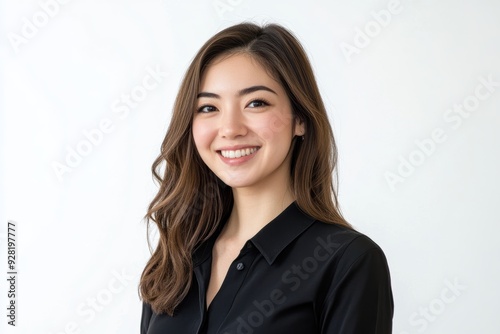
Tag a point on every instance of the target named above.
point(202, 134)
point(275, 126)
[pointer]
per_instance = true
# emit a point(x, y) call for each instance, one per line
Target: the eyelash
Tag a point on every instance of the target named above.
point(261, 101)
point(203, 107)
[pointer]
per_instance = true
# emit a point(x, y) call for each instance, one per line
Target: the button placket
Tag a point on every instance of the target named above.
point(229, 289)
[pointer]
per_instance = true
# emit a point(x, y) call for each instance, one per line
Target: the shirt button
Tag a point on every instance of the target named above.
point(240, 266)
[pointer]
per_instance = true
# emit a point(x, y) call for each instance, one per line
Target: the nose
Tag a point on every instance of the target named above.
point(232, 123)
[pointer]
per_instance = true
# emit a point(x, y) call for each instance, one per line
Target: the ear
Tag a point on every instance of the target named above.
point(300, 127)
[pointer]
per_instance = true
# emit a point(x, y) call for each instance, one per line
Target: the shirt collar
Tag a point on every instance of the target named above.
point(271, 240)
point(281, 231)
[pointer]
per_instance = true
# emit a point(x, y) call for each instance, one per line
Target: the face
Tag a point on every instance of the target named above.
point(243, 124)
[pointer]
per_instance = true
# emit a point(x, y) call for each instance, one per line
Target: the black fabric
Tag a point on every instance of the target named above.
point(296, 276)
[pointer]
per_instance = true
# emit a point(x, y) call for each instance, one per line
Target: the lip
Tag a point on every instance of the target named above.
point(240, 160)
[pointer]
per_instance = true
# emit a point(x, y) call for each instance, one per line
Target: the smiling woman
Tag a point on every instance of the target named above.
point(237, 105)
point(251, 236)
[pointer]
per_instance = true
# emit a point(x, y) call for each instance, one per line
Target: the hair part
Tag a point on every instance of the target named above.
point(191, 201)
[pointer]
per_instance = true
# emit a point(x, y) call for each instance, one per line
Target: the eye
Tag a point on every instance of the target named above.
point(206, 109)
point(259, 103)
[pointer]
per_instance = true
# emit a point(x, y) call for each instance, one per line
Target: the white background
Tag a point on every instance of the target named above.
point(438, 225)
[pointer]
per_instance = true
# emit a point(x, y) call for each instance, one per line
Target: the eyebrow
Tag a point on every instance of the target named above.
point(242, 92)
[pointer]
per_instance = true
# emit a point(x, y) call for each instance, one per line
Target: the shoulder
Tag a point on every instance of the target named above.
point(356, 290)
point(340, 238)
point(347, 248)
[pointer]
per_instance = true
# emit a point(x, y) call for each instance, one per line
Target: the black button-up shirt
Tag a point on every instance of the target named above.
point(296, 276)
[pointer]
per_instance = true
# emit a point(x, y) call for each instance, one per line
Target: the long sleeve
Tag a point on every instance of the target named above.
point(360, 299)
point(145, 317)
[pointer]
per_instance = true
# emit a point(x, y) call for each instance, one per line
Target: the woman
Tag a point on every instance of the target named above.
point(251, 237)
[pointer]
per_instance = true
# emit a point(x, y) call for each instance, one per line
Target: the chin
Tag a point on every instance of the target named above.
point(236, 181)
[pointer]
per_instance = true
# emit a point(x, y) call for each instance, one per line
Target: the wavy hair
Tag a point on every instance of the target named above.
point(191, 201)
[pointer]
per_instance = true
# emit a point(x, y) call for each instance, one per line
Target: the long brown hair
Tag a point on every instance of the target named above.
point(192, 201)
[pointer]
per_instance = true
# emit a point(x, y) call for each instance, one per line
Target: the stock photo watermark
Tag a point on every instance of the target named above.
point(421, 319)
point(120, 108)
point(454, 117)
point(11, 239)
point(222, 7)
point(31, 26)
point(371, 29)
point(292, 278)
point(88, 310)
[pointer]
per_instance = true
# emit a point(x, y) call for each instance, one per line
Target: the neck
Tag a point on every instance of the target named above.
point(255, 207)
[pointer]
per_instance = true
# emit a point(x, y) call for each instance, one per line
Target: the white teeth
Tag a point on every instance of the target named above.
point(238, 153)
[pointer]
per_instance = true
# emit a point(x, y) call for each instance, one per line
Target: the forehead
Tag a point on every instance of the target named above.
point(235, 71)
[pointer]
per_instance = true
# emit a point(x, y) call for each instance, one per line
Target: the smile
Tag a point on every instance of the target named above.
point(232, 154)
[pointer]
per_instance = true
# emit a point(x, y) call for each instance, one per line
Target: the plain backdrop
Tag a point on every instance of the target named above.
point(412, 89)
